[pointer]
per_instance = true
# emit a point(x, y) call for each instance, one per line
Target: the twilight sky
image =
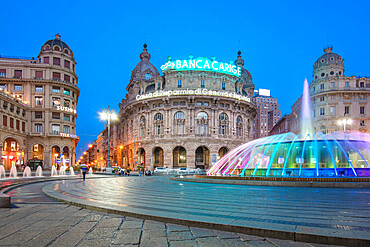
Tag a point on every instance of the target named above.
point(279, 40)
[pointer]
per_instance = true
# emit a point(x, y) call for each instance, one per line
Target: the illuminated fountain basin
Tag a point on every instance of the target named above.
point(289, 155)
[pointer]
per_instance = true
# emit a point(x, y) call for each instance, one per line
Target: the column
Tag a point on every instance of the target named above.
point(1, 155)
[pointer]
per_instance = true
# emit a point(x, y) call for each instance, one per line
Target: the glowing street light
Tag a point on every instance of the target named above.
point(108, 115)
point(90, 146)
point(345, 121)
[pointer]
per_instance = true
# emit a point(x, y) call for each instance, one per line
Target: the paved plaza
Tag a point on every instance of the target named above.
point(37, 220)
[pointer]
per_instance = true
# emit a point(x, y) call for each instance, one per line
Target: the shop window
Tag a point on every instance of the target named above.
point(56, 89)
point(18, 87)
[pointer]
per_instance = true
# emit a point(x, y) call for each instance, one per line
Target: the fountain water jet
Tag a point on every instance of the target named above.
point(27, 172)
point(72, 171)
point(38, 172)
point(2, 171)
point(54, 171)
point(90, 171)
point(13, 172)
point(62, 170)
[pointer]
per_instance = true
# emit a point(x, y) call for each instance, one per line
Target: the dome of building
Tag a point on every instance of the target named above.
point(328, 59)
point(245, 76)
point(57, 45)
point(144, 70)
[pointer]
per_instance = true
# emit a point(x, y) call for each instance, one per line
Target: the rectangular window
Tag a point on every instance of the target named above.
point(346, 97)
point(46, 60)
point(362, 110)
point(56, 76)
point(322, 98)
point(362, 123)
point(175, 103)
point(23, 126)
point(223, 86)
point(313, 89)
point(56, 61)
point(11, 122)
point(202, 83)
point(199, 103)
point(66, 103)
point(67, 64)
point(5, 121)
point(18, 74)
point(55, 115)
point(38, 100)
point(66, 91)
point(67, 117)
point(66, 129)
point(182, 103)
point(17, 124)
point(2, 72)
point(179, 83)
point(55, 128)
point(346, 110)
point(332, 84)
point(158, 86)
point(346, 84)
point(332, 110)
point(322, 86)
point(362, 84)
point(38, 114)
point(38, 75)
point(56, 89)
point(2, 86)
point(38, 88)
point(67, 78)
point(17, 87)
point(38, 127)
point(56, 101)
point(322, 111)
point(205, 103)
point(361, 96)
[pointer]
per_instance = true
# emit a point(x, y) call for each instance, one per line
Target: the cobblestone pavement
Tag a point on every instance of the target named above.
point(36, 220)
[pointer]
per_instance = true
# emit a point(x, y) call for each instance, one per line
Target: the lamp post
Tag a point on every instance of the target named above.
point(108, 115)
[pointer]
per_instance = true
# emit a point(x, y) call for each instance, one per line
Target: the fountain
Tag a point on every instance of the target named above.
point(39, 171)
point(13, 172)
point(62, 171)
point(2, 171)
point(308, 154)
point(53, 171)
point(27, 172)
point(90, 171)
point(72, 171)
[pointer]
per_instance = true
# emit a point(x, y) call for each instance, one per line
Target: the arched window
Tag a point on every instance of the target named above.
point(179, 123)
point(56, 48)
point(142, 126)
point(158, 124)
point(66, 51)
point(47, 47)
point(223, 124)
point(239, 126)
point(202, 123)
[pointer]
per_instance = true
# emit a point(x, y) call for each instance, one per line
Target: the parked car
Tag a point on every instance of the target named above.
point(160, 170)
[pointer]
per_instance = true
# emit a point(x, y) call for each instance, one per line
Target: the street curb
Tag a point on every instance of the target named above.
point(272, 233)
point(199, 179)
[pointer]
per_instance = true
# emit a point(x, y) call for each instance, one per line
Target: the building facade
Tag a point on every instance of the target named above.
point(268, 113)
point(189, 117)
point(335, 96)
point(38, 107)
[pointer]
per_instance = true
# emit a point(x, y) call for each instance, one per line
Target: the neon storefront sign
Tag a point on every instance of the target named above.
point(199, 91)
point(66, 109)
point(202, 64)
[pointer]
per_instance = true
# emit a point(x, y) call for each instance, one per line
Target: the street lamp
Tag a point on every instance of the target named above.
point(108, 115)
point(345, 121)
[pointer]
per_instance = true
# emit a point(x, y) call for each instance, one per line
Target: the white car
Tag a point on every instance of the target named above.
point(160, 170)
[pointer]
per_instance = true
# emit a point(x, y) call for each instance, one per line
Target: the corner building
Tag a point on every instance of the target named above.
point(189, 117)
point(38, 100)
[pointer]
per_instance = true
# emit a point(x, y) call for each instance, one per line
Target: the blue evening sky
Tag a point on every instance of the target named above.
point(279, 40)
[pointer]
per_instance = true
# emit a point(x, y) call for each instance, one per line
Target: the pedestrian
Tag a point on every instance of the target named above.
point(83, 168)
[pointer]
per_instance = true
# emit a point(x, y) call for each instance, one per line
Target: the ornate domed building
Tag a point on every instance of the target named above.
point(189, 117)
point(38, 107)
point(336, 97)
